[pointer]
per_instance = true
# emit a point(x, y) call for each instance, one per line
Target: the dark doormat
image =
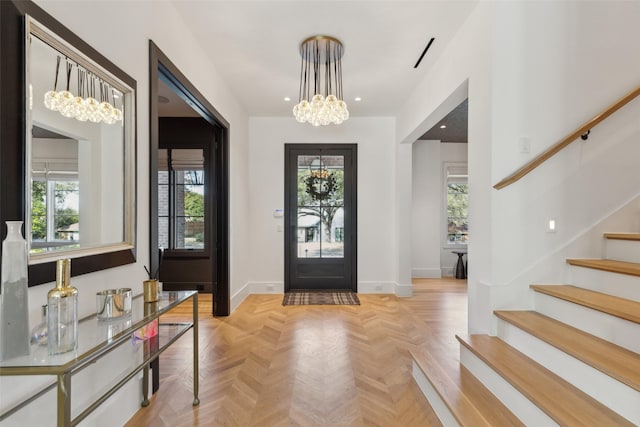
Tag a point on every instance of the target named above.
point(320, 298)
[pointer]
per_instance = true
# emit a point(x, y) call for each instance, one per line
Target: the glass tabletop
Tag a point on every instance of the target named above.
point(96, 336)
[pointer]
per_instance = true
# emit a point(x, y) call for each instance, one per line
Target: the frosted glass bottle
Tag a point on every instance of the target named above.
point(62, 315)
point(14, 295)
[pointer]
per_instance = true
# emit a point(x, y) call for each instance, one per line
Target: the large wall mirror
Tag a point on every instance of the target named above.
point(78, 149)
point(79, 152)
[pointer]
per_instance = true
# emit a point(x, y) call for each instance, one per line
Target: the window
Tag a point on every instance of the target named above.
point(55, 211)
point(181, 199)
point(457, 204)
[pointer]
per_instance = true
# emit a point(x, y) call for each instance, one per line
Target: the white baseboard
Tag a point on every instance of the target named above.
point(238, 297)
point(447, 272)
point(404, 290)
point(426, 273)
point(376, 287)
point(272, 287)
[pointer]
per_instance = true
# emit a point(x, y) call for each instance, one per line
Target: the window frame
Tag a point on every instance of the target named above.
point(50, 211)
point(171, 250)
point(461, 168)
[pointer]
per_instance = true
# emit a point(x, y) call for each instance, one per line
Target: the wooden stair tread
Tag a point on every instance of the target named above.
point(622, 236)
point(613, 360)
point(615, 306)
point(564, 403)
point(470, 402)
point(622, 267)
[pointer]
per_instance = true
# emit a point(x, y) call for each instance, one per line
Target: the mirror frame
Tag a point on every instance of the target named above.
point(14, 148)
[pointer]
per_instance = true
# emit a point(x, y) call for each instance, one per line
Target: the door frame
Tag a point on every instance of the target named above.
point(353, 223)
point(160, 64)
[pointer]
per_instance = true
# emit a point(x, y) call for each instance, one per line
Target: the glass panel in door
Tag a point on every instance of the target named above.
point(320, 203)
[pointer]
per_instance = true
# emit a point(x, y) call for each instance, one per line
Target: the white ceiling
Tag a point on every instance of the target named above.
point(255, 45)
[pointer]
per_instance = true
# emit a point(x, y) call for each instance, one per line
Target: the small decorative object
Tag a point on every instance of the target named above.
point(39, 333)
point(62, 319)
point(151, 288)
point(113, 303)
point(14, 301)
point(320, 184)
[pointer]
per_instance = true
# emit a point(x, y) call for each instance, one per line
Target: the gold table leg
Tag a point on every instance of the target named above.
point(64, 400)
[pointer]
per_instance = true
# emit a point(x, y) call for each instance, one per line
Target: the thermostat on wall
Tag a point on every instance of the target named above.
point(278, 213)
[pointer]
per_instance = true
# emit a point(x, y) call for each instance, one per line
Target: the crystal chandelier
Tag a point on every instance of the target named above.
point(320, 100)
point(79, 107)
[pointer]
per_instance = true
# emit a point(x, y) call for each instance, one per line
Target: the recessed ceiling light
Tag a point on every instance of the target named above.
point(357, 99)
point(287, 99)
point(443, 127)
point(163, 99)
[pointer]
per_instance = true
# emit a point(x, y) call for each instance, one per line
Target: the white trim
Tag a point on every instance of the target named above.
point(516, 402)
point(377, 287)
point(433, 397)
point(426, 273)
point(447, 272)
point(271, 287)
point(614, 394)
point(404, 290)
point(238, 297)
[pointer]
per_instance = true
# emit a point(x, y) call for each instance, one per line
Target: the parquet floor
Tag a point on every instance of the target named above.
point(270, 365)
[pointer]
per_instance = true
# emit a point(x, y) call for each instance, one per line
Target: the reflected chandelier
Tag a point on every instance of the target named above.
point(320, 99)
point(79, 107)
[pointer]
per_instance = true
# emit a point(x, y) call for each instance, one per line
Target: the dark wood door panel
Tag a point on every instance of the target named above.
point(320, 212)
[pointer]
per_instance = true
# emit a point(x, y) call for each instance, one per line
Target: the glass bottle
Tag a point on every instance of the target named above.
point(39, 332)
point(14, 295)
point(62, 317)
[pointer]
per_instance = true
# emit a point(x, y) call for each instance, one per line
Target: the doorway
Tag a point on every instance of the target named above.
point(320, 217)
point(189, 160)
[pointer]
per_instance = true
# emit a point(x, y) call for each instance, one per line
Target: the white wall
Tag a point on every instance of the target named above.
point(524, 82)
point(545, 85)
point(376, 193)
point(463, 71)
point(426, 207)
point(136, 23)
point(430, 258)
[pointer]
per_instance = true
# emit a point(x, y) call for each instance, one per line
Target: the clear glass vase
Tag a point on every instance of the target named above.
point(14, 295)
point(62, 312)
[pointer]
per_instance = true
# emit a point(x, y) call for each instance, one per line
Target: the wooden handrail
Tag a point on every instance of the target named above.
point(549, 152)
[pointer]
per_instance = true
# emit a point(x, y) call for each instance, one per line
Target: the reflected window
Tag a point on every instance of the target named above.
point(181, 199)
point(55, 192)
point(55, 212)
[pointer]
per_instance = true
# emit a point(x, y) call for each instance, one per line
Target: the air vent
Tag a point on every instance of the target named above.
point(424, 52)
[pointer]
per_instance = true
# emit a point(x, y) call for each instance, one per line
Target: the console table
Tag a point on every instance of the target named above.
point(97, 338)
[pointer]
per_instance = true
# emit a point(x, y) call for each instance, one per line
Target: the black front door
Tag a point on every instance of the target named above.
point(320, 216)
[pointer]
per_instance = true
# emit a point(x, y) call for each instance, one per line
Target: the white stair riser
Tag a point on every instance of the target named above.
point(616, 284)
point(523, 408)
point(623, 250)
point(609, 391)
point(433, 397)
point(613, 329)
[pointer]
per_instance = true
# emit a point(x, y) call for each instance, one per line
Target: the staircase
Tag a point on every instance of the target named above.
point(574, 361)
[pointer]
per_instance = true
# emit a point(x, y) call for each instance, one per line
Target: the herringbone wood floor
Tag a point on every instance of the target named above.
point(269, 365)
